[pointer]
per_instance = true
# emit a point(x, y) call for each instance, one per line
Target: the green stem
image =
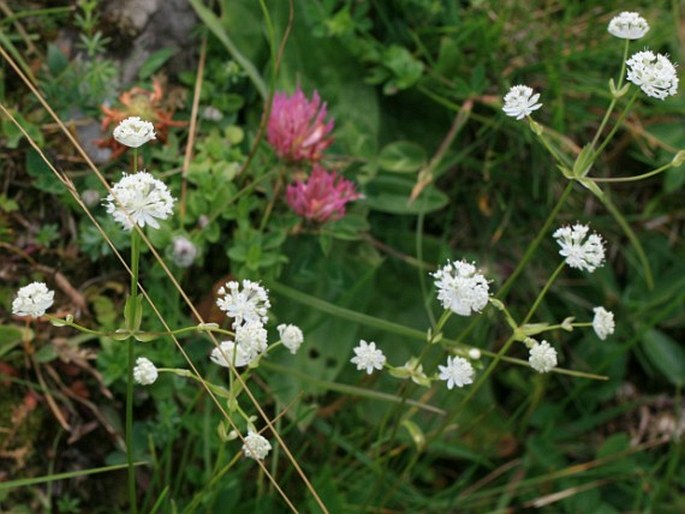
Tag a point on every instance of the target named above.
point(636, 177)
point(618, 124)
point(535, 243)
point(135, 254)
point(542, 294)
point(602, 126)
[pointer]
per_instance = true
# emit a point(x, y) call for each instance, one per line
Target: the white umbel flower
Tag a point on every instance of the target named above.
point(628, 25)
point(249, 304)
point(183, 251)
point(368, 357)
point(251, 337)
point(543, 357)
point(145, 372)
point(458, 372)
point(520, 102)
point(291, 337)
point(229, 354)
point(653, 73)
point(33, 300)
point(579, 252)
point(603, 323)
point(460, 288)
point(141, 199)
point(255, 446)
point(134, 132)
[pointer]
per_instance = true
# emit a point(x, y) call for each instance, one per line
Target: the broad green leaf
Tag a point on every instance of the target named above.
point(389, 193)
point(402, 157)
point(11, 336)
point(666, 354)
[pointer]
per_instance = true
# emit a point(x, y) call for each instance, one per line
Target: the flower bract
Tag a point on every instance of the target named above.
point(543, 357)
point(368, 357)
point(139, 199)
point(291, 336)
point(134, 132)
point(458, 372)
point(628, 25)
point(580, 250)
point(520, 102)
point(603, 322)
point(145, 372)
point(653, 73)
point(461, 288)
point(248, 304)
point(256, 446)
point(33, 300)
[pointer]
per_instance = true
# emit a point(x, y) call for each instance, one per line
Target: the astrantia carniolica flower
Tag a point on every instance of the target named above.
point(297, 129)
point(255, 446)
point(520, 102)
point(145, 372)
point(543, 357)
point(246, 305)
point(579, 252)
point(33, 300)
point(229, 354)
point(322, 197)
point(291, 337)
point(368, 357)
point(141, 199)
point(653, 73)
point(628, 25)
point(461, 288)
point(603, 323)
point(134, 132)
point(458, 372)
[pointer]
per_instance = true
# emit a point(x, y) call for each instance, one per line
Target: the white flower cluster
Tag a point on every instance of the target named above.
point(543, 357)
point(603, 323)
point(579, 252)
point(134, 132)
point(33, 300)
point(256, 446)
point(145, 372)
point(248, 307)
point(250, 343)
point(653, 73)
point(458, 372)
point(628, 25)
point(368, 357)
point(520, 102)
point(460, 288)
point(291, 336)
point(139, 199)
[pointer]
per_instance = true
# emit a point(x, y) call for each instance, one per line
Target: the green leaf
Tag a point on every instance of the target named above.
point(133, 312)
point(11, 336)
point(583, 161)
point(155, 62)
point(666, 355)
point(402, 157)
point(390, 193)
point(46, 354)
point(592, 186)
point(56, 60)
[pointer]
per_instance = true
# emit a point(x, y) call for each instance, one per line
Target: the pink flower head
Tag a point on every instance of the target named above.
point(297, 129)
point(322, 197)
